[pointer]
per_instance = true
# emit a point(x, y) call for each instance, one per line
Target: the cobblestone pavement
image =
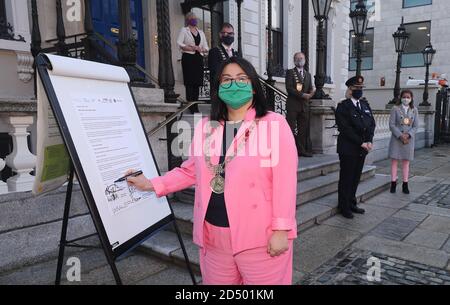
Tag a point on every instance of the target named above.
point(406, 236)
point(437, 196)
point(354, 267)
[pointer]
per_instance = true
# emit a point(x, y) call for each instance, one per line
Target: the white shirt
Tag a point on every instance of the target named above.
point(229, 50)
point(185, 38)
point(405, 108)
point(301, 71)
point(355, 102)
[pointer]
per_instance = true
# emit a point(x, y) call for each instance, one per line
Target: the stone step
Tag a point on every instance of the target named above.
point(23, 210)
point(307, 190)
point(318, 166)
point(318, 187)
point(165, 245)
point(317, 211)
point(371, 185)
point(32, 245)
point(137, 268)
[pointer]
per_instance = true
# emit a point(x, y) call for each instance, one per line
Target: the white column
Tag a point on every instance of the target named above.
point(3, 185)
point(21, 160)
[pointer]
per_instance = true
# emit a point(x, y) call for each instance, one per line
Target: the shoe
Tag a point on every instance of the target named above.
point(357, 210)
point(348, 215)
point(393, 187)
point(405, 188)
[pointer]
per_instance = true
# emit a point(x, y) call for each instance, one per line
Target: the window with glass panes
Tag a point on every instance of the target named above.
point(277, 37)
point(420, 33)
point(413, 3)
point(367, 50)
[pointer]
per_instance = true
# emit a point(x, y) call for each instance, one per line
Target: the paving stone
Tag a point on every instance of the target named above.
point(437, 224)
point(362, 223)
point(170, 276)
point(446, 246)
point(309, 254)
point(132, 269)
point(415, 216)
point(427, 238)
point(395, 228)
point(429, 210)
point(404, 250)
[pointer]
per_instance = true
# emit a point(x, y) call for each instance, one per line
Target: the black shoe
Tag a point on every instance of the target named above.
point(348, 215)
point(393, 187)
point(357, 210)
point(405, 188)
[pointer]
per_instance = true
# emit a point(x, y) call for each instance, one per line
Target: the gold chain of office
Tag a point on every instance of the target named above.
point(217, 184)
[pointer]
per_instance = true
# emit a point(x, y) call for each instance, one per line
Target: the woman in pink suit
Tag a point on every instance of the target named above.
point(243, 164)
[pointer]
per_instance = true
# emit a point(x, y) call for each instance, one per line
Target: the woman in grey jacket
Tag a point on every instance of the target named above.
point(404, 122)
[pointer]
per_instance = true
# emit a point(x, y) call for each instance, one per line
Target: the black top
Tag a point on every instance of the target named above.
point(356, 126)
point(217, 210)
point(215, 59)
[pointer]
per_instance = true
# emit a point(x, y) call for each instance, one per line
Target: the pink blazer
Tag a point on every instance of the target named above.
point(260, 188)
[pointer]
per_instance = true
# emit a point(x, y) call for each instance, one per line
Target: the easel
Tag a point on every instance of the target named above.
point(106, 248)
point(112, 256)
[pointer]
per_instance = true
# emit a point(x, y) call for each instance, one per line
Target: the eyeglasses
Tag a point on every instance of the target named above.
point(227, 33)
point(241, 82)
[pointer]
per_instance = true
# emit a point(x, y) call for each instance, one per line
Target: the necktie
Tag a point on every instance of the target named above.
point(358, 105)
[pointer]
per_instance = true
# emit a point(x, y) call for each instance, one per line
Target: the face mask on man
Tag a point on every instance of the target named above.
point(300, 63)
point(227, 40)
point(236, 96)
point(357, 94)
point(406, 101)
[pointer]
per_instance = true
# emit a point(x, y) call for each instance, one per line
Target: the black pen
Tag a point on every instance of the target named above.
point(135, 174)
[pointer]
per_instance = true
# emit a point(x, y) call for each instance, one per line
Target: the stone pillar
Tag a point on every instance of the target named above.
point(21, 160)
point(3, 185)
point(323, 135)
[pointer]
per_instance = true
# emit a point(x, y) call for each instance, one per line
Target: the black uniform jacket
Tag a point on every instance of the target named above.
point(215, 58)
point(355, 127)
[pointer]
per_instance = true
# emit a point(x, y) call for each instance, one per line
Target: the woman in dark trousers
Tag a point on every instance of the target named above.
point(193, 45)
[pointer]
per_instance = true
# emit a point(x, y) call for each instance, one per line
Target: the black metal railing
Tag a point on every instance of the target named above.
point(6, 29)
point(277, 99)
point(442, 123)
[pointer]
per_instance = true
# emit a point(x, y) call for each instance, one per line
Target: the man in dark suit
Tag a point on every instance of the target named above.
point(356, 126)
point(300, 91)
point(222, 52)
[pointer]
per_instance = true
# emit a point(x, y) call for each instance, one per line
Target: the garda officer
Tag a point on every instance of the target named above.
point(300, 91)
point(356, 125)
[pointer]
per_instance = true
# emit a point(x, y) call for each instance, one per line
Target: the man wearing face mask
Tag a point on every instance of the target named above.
point(223, 52)
point(356, 126)
point(300, 91)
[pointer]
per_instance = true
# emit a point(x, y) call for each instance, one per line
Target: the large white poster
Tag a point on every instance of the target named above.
point(109, 139)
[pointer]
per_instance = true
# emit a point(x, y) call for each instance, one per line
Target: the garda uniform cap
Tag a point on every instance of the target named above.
point(356, 81)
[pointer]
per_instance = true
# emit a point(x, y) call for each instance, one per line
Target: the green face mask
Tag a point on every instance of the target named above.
point(236, 96)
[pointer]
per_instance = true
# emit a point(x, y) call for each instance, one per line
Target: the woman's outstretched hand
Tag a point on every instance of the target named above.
point(141, 182)
point(278, 244)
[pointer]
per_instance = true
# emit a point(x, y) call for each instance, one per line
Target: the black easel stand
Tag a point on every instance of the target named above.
point(72, 243)
point(111, 261)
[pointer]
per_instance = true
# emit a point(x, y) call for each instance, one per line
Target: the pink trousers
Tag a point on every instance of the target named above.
point(251, 267)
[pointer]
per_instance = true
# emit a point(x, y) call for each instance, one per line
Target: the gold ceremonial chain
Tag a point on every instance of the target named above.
point(218, 182)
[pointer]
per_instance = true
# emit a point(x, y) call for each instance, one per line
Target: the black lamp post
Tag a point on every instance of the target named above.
point(428, 55)
point(321, 11)
point(401, 38)
point(360, 22)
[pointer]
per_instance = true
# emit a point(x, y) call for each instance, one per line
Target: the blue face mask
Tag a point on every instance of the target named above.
point(357, 94)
